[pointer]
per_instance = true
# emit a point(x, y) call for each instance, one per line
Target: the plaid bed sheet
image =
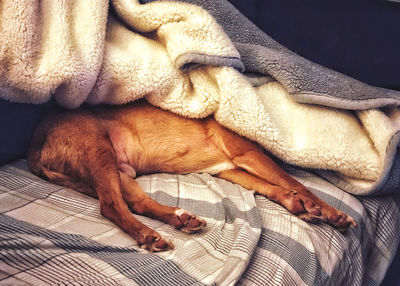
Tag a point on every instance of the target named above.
point(50, 235)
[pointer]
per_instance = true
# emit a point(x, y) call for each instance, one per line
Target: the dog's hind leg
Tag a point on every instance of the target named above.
point(256, 171)
point(261, 166)
point(142, 204)
point(300, 202)
point(83, 159)
point(108, 185)
point(105, 184)
point(304, 209)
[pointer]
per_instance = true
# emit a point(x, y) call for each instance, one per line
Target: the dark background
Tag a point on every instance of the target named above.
point(359, 38)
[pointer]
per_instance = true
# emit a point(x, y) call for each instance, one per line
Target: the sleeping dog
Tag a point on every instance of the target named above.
point(100, 150)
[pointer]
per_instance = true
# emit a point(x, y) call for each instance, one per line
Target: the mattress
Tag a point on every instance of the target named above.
point(51, 235)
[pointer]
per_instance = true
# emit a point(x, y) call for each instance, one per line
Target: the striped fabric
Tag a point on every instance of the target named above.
point(50, 235)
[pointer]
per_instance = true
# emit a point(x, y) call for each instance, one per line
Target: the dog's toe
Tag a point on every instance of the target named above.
point(304, 205)
point(153, 241)
point(341, 220)
point(187, 222)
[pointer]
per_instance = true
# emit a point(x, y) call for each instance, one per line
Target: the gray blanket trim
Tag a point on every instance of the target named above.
point(390, 175)
point(260, 53)
point(192, 60)
point(387, 183)
point(301, 76)
point(129, 262)
point(238, 28)
point(343, 103)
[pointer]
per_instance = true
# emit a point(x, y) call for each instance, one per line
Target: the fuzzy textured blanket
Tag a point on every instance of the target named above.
point(198, 59)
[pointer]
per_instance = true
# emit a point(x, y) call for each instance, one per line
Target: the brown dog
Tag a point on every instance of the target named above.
point(100, 151)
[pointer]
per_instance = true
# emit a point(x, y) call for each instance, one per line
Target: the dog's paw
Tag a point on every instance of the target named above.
point(307, 207)
point(187, 222)
point(339, 219)
point(316, 211)
point(152, 241)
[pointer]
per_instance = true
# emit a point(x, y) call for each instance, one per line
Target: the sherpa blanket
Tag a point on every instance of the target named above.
point(199, 62)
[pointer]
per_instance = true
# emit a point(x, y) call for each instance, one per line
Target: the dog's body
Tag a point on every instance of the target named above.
point(99, 152)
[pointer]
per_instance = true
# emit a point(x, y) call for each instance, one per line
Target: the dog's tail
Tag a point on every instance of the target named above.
point(65, 180)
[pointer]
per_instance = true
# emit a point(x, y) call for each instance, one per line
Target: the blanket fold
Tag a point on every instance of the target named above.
point(190, 35)
point(193, 59)
point(54, 47)
point(307, 82)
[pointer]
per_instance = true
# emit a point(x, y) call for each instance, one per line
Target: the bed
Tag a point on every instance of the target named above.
point(51, 235)
point(196, 58)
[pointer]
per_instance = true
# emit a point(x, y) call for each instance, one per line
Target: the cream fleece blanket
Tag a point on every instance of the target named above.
point(176, 56)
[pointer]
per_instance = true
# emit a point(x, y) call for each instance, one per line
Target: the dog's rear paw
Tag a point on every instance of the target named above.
point(340, 220)
point(187, 222)
point(308, 207)
point(315, 212)
point(152, 241)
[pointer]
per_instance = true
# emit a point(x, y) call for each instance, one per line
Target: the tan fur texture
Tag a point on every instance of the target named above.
point(99, 151)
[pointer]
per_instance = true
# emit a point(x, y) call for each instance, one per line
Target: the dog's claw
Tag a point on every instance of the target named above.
point(342, 221)
point(187, 222)
point(153, 241)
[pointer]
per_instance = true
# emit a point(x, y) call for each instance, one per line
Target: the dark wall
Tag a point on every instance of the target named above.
point(17, 122)
point(360, 38)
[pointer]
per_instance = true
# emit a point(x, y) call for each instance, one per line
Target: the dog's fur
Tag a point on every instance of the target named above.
point(100, 150)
